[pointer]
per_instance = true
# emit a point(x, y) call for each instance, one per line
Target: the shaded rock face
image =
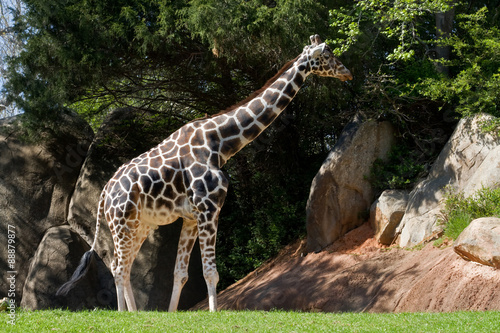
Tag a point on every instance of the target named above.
point(340, 195)
point(469, 160)
point(386, 213)
point(55, 259)
point(48, 184)
point(36, 182)
point(480, 242)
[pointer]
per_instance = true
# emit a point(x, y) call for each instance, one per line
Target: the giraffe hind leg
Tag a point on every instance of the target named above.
point(125, 254)
point(120, 296)
point(124, 294)
point(207, 228)
point(207, 246)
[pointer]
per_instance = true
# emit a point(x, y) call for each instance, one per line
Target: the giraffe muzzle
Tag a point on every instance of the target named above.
point(345, 75)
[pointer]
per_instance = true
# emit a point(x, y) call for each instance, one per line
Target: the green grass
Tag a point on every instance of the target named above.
point(248, 321)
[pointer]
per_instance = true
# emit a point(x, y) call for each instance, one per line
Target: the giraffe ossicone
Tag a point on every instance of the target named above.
point(182, 178)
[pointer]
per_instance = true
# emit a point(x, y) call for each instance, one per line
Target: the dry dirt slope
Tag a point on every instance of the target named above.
point(356, 275)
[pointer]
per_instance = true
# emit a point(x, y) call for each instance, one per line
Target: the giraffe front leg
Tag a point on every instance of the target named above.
point(188, 236)
point(209, 198)
point(208, 234)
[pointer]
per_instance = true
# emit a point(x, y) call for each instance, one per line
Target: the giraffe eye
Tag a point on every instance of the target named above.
point(326, 56)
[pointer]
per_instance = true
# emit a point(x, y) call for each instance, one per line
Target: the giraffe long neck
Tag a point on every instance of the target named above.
point(242, 125)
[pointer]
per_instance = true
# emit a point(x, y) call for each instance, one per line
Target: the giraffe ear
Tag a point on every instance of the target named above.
point(317, 50)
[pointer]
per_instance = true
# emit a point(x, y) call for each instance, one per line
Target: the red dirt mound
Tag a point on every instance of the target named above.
point(357, 274)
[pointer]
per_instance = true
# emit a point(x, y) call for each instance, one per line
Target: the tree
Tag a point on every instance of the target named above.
point(419, 71)
point(154, 55)
point(474, 87)
point(444, 28)
point(10, 46)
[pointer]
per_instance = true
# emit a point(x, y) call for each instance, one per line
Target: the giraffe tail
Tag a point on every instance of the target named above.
point(99, 218)
point(80, 272)
point(87, 259)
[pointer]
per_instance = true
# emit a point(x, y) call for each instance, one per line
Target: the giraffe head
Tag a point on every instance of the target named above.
point(323, 62)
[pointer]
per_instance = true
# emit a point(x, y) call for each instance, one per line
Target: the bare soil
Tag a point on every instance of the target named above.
point(357, 274)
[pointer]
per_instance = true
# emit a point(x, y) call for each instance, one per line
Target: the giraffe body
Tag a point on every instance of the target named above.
point(182, 177)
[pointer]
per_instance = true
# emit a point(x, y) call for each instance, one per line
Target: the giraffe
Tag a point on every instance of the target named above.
point(182, 178)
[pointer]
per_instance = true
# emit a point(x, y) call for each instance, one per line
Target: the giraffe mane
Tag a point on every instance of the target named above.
point(259, 91)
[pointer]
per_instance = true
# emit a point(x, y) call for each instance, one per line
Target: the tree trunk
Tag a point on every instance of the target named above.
point(444, 26)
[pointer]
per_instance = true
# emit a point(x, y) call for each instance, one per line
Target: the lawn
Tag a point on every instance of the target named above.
point(248, 321)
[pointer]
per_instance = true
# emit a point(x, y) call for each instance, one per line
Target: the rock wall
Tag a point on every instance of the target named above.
point(36, 182)
point(57, 256)
point(469, 160)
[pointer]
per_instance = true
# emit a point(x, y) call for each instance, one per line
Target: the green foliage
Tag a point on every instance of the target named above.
point(248, 31)
point(91, 50)
point(153, 55)
point(460, 210)
point(275, 218)
point(401, 170)
point(401, 21)
point(397, 44)
point(476, 85)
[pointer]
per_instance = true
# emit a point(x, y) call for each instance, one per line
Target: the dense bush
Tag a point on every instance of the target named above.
point(400, 170)
point(460, 210)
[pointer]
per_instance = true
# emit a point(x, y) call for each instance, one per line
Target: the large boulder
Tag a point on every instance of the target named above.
point(386, 213)
point(56, 258)
point(480, 242)
point(36, 181)
point(124, 134)
point(466, 163)
point(340, 195)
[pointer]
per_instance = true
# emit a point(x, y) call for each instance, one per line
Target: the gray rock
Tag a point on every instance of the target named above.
point(386, 213)
point(340, 195)
point(480, 241)
point(36, 182)
point(54, 261)
point(464, 164)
